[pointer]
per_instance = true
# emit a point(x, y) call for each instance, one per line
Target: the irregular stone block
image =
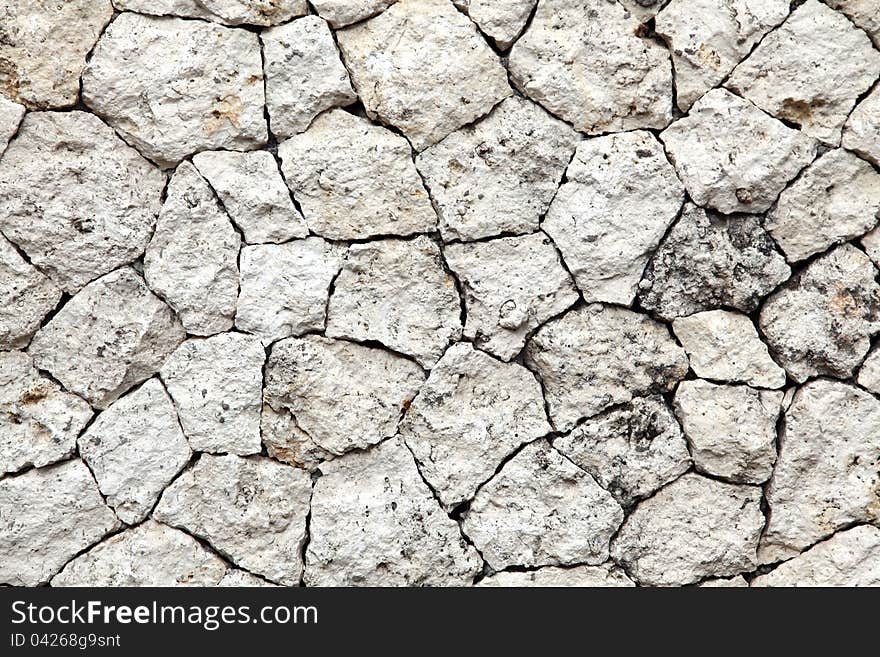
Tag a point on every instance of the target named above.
point(26, 297)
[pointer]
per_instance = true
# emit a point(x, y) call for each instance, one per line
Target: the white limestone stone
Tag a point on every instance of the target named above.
point(228, 12)
point(553, 576)
point(502, 20)
point(355, 180)
point(111, 336)
point(861, 133)
point(11, 115)
point(173, 87)
point(26, 297)
point(243, 579)
point(340, 13)
point(737, 582)
point(869, 373)
point(285, 441)
point(472, 412)
point(620, 197)
point(864, 13)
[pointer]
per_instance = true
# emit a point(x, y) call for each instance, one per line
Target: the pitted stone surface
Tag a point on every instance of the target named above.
point(173, 87)
point(503, 20)
point(554, 576)
point(869, 373)
point(11, 115)
point(340, 13)
point(228, 12)
point(422, 67)
point(26, 297)
point(864, 13)
point(75, 198)
point(861, 133)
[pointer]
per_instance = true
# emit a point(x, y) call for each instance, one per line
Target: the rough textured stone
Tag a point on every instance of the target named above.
point(731, 429)
point(621, 196)
point(44, 46)
point(251, 510)
point(11, 115)
point(594, 357)
point(802, 73)
point(864, 13)
point(709, 260)
point(342, 395)
point(241, 578)
point(192, 259)
point(643, 10)
point(423, 67)
point(286, 442)
point(871, 244)
point(869, 373)
point(733, 157)
point(553, 576)
point(511, 286)
point(285, 287)
point(725, 346)
point(216, 386)
point(304, 75)
point(821, 322)
point(541, 509)
point(692, 529)
point(47, 516)
point(631, 451)
point(39, 422)
point(108, 338)
point(340, 13)
point(75, 198)
point(173, 87)
point(499, 174)
point(502, 20)
point(254, 195)
point(150, 554)
point(827, 476)
point(355, 180)
point(398, 293)
point(375, 523)
point(861, 132)
point(737, 582)
point(228, 12)
point(835, 199)
point(708, 38)
point(26, 297)
point(849, 558)
point(134, 449)
point(584, 61)
point(472, 412)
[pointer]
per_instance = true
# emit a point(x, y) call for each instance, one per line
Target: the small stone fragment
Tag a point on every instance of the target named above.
point(631, 451)
point(48, 516)
point(242, 579)
point(621, 196)
point(731, 156)
point(355, 180)
point(869, 373)
point(285, 441)
point(422, 67)
point(822, 322)
point(26, 297)
point(709, 260)
point(643, 10)
point(725, 346)
point(150, 554)
point(708, 38)
point(731, 429)
point(398, 293)
point(228, 12)
point(11, 115)
point(216, 386)
point(871, 244)
point(692, 529)
point(44, 48)
point(251, 510)
point(502, 20)
point(861, 133)
point(376, 523)
point(253, 194)
point(541, 509)
point(75, 198)
point(827, 476)
point(737, 582)
point(111, 336)
point(553, 576)
point(864, 13)
point(584, 61)
point(304, 75)
point(802, 73)
point(135, 448)
point(835, 199)
point(39, 422)
point(285, 287)
point(342, 395)
point(340, 13)
point(192, 259)
point(173, 87)
point(598, 356)
point(849, 558)
point(499, 174)
point(511, 286)
point(472, 412)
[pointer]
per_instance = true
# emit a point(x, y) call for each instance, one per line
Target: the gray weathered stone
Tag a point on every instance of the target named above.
point(472, 412)
point(864, 13)
point(340, 13)
point(228, 12)
point(861, 133)
point(304, 75)
point(737, 582)
point(553, 576)
point(108, 338)
point(422, 67)
point(511, 286)
point(869, 373)
point(355, 180)
point(620, 197)
point(26, 297)
point(285, 441)
point(871, 244)
point(11, 115)
point(502, 20)
point(376, 523)
point(243, 579)
point(192, 259)
point(173, 87)
point(75, 198)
